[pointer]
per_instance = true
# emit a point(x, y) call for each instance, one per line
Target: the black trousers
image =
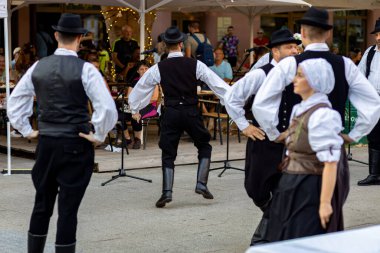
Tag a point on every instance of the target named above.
point(261, 169)
point(63, 167)
point(232, 60)
point(136, 126)
point(175, 120)
point(374, 137)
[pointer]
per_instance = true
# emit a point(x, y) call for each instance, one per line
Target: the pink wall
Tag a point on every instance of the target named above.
point(163, 21)
point(240, 23)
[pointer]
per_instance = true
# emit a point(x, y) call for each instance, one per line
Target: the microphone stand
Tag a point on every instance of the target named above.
point(349, 154)
point(226, 163)
point(124, 144)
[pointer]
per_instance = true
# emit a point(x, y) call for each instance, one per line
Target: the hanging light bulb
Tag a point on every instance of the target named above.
point(119, 14)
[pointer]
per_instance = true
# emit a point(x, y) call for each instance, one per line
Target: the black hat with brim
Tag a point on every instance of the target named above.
point(283, 36)
point(70, 23)
point(377, 27)
point(173, 35)
point(317, 18)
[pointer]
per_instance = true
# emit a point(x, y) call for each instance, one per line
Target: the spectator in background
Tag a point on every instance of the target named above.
point(16, 55)
point(229, 44)
point(130, 73)
point(140, 69)
point(104, 58)
point(160, 50)
point(123, 49)
point(26, 59)
point(261, 40)
point(2, 68)
point(261, 57)
point(221, 67)
point(44, 43)
point(191, 44)
point(356, 55)
point(86, 46)
point(335, 48)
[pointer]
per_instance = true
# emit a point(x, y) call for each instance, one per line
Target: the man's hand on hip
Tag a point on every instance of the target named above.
point(254, 133)
point(90, 137)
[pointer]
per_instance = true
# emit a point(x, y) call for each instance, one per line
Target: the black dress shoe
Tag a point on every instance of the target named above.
point(202, 189)
point(370, 180)
point(166, 197)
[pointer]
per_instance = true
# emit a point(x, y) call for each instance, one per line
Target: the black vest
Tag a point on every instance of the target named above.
point(61, 98)
point(288, 100)
point(179, 81)
point(338, 95)
point(248, 105)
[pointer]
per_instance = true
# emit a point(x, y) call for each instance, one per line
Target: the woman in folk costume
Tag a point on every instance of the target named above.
point(314, 184)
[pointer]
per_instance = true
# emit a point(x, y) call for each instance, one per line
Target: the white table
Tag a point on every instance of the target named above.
point(363, 240)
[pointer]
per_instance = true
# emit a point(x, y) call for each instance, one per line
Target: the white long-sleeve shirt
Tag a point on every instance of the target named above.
point(104, 117)
point(142, 92)
point(324, 127)
point(374, 73)
point(241, 91)
point(265, 59)
point(361, 94)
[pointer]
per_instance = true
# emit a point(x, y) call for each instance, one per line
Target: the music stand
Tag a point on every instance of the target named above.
point(349, 154)
point(124, 144)
point(226, 163)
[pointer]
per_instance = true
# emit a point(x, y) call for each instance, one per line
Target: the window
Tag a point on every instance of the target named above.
point(350, 31)
point(223, 24)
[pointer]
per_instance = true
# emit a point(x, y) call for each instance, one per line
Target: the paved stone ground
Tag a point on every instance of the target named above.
point(121, 216)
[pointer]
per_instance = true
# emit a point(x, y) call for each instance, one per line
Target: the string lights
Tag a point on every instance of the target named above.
point(113, 15)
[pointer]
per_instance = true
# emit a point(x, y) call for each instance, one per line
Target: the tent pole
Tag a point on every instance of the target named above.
point(142, 27)
point(6, 47)
point(251, 34)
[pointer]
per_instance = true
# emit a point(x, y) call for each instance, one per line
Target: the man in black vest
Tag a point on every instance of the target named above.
point(262, 156)
point(178, 77)
point(349, 81)
point(370, 67)
point(62, 84)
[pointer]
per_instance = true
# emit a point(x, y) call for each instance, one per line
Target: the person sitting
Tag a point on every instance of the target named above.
point(150, 110)
point(261, 40)
point(26, 59)
point(16, 55)
point(313, 188)
point(221, 67)
point(356, 55)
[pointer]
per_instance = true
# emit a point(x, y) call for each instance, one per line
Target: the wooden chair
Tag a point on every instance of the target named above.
point(217, 116)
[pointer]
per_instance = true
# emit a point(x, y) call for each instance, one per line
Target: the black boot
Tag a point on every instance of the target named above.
point(167, 187)
point(36, 243)
point(259, 236)
point(202, 178)
point(65, 248)
point(374, 169)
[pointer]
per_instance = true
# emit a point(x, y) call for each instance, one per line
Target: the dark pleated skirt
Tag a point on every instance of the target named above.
point(261, 169)
point(294, 211)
